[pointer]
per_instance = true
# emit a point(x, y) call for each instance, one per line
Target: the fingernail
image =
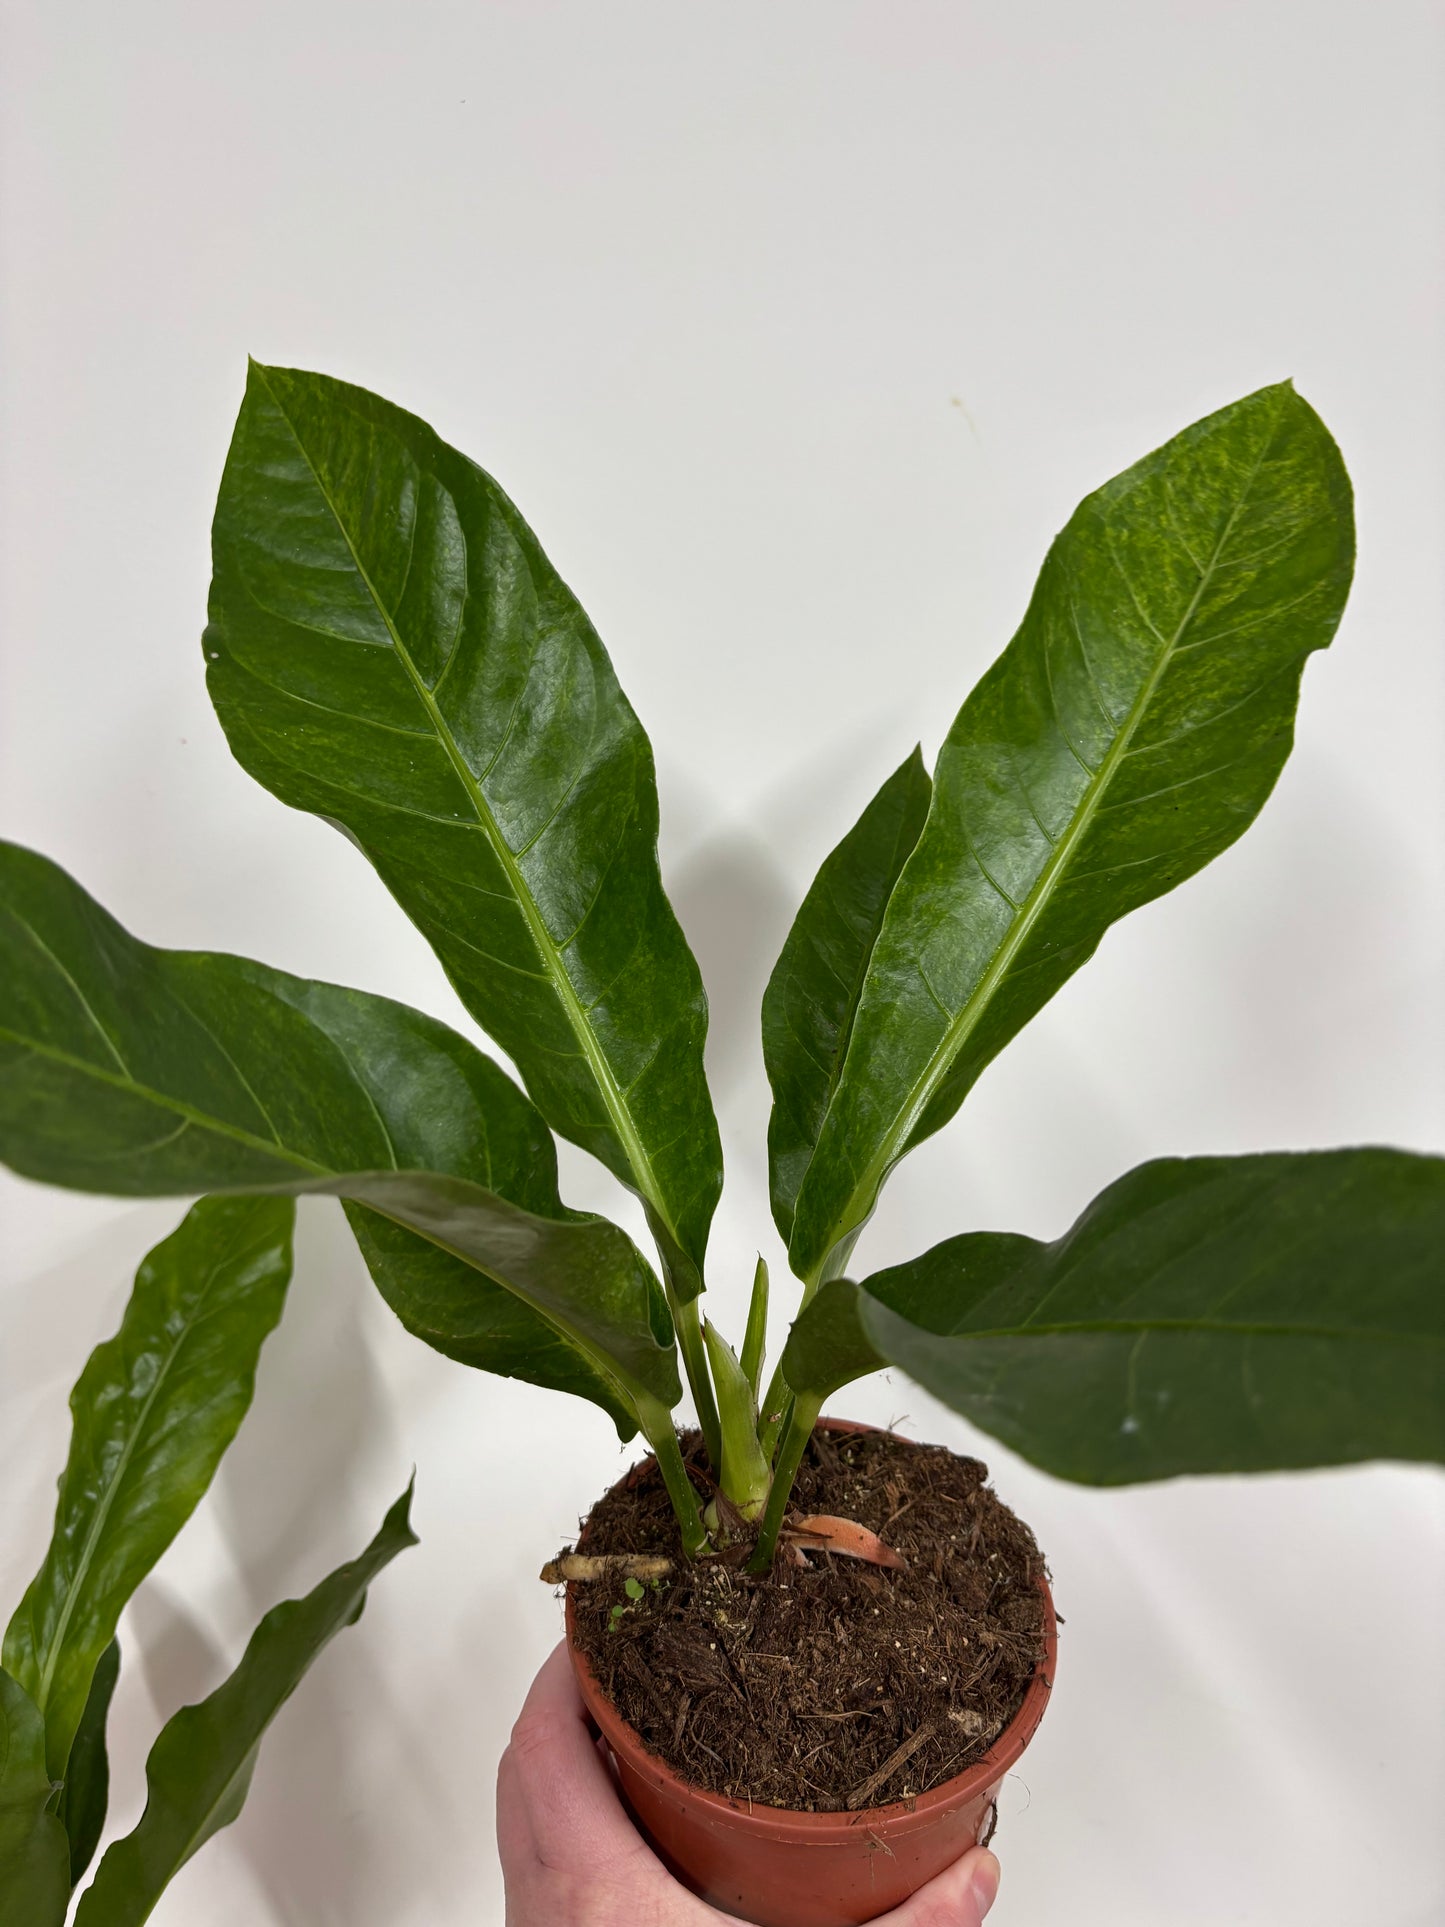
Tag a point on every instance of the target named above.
point(985, 1883)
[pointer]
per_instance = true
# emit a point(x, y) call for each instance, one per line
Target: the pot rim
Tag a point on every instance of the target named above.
point(822, 1829)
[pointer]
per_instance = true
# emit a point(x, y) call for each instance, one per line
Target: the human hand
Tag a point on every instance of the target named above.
point(571, 1857)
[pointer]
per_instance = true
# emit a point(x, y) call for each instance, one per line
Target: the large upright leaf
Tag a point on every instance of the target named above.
point(1130, 732)
point(150, 1072)
point(34, 1852)
point(812, 995)
point(199, 1770)
point(390, 648)
point(1241, 1314)
point(152, 1415)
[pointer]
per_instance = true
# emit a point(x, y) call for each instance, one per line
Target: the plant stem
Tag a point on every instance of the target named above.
point(801, 1420)
point(773, 1412)
point(778, 1398)
point(661, 1435)
point(688, 1324)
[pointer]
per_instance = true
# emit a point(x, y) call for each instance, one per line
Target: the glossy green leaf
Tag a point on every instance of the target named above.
point(150, 1072)
point(86, 1794)
point(1244, 1314)
point(828, 1346)
point(1130, 732)
point(34, 1852)
point(812, 995)
point(199, 1770)
point(152, 1415)
point(390, 648)
point(459, 1311)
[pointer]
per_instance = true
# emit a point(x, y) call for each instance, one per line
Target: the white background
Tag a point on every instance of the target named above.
point(796, 330)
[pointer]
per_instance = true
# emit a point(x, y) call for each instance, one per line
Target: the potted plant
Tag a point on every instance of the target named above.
point(153, 1413)
point(389, 648)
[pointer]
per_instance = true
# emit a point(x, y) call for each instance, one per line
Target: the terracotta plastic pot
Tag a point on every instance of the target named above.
point(784, 1869)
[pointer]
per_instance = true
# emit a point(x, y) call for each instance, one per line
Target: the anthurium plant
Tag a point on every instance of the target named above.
point(153, 1412)
point(389, 648)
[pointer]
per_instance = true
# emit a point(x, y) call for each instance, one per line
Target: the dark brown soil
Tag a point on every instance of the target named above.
point(808, 1688)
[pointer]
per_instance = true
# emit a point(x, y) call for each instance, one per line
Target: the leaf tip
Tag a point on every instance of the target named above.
point(401, 1511)
point(260, 375)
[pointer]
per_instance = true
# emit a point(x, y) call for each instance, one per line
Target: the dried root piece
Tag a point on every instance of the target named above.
point(589, 1567)
point(821, 1532)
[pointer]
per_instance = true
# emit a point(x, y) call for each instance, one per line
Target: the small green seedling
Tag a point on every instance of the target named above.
point(635, 1591)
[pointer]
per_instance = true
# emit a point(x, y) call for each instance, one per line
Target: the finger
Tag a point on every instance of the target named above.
point(960, 1896)
point(554, 1793)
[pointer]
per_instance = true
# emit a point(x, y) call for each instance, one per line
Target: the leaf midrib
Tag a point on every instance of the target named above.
point(133, 1087)
point(610, 1091)
point(957, 1032)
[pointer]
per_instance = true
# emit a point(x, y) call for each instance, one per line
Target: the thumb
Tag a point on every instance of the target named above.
point(959, 1897)
point(554, 1794)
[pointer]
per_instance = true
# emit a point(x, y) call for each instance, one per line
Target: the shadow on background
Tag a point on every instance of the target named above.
point(735, 905)
point(304, 1488)
point(734, 899)
point(178, 1659)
